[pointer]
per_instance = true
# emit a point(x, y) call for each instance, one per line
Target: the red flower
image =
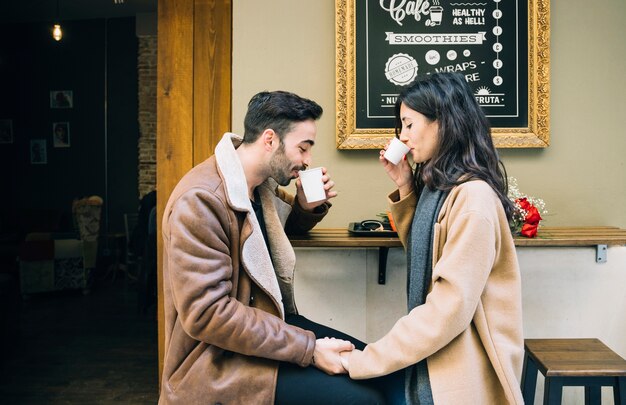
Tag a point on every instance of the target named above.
point(529, 230)
point(532, 215)
point(524, 203)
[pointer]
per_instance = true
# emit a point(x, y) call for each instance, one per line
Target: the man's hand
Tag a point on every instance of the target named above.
point(326, 355)
point(328, 185)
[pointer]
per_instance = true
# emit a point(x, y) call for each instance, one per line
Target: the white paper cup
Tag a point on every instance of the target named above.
point(396, 151)
point(312, 184)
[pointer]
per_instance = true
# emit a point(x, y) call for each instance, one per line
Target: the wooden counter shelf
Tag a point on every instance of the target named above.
point(575, 236)
point(340, 237)
point(599, 236)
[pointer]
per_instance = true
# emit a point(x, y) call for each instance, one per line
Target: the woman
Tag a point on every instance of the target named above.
point(461, 342)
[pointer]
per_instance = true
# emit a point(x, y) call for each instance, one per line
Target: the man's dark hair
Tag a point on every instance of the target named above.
point(277, 110)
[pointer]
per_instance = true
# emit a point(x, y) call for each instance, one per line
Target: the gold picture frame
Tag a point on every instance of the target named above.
point(535, 135)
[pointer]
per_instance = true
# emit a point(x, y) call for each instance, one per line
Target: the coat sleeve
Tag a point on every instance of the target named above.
point(200, 271)
point(299, 220)
point(459, 279)
point(402, 211)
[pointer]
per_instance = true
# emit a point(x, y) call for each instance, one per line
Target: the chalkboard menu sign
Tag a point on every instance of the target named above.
point(500, 46)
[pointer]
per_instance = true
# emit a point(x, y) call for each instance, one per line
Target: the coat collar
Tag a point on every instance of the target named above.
point(255, 255)
point(232, 172)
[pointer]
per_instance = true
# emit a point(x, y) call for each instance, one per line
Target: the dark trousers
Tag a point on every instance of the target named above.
point(309, 385)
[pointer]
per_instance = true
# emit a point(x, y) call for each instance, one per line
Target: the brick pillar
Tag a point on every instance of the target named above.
point(147, 77)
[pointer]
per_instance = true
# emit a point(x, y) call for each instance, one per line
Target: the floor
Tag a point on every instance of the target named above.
point(72, 348)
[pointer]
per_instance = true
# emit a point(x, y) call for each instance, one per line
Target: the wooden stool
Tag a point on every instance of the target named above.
point(572, 362)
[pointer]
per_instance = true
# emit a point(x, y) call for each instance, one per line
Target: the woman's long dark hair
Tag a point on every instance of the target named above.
point(465, 149)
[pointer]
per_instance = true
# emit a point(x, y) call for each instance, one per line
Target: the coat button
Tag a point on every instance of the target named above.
point(251, 299)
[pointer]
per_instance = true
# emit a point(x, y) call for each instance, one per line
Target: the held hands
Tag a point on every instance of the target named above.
point(401, 174)
point(345, 360)
point(328, 185)
point(327, 355)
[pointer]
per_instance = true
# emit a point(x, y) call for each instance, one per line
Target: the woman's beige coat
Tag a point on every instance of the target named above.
point(470, 327)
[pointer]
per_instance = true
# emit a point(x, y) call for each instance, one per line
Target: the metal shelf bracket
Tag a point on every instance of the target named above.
point(601, 253)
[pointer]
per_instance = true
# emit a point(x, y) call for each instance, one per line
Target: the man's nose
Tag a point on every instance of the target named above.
point(307, 160)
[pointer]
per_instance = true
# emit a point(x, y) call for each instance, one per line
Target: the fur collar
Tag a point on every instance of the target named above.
point(255, 255)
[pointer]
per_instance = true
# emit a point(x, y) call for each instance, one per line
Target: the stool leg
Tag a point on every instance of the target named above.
point(552, 391)
point(529, 380)
point(593, 395)
point(619, 391)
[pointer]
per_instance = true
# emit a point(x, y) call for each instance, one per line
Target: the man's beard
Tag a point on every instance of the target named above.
point(281, 167)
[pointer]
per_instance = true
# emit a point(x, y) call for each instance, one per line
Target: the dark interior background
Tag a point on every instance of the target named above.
point(97, 61)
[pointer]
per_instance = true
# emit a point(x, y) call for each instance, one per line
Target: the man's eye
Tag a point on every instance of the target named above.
point(409, 126)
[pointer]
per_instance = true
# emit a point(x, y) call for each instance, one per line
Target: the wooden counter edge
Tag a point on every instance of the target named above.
point(547, 237)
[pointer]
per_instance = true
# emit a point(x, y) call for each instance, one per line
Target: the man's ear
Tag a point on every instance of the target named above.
point(269, 138)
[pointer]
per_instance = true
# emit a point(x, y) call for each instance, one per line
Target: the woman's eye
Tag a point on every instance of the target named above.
point(409, 126)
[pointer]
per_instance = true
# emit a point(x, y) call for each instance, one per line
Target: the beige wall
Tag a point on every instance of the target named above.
point(290, 45)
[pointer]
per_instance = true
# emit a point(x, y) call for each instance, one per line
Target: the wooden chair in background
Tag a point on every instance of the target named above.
point(572, 362)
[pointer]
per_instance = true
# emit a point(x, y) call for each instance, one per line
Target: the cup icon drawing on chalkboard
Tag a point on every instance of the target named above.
point(436, 12)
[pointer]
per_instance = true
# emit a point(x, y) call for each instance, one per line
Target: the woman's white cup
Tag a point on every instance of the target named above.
point(312, 184)
point(396, 151)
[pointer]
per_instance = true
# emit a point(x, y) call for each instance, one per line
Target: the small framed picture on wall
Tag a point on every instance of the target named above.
point(6, 131)
point(38, 152)
point(61, 99)
point(61, 134)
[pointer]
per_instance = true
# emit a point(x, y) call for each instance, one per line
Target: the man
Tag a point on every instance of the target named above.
point(228, 271)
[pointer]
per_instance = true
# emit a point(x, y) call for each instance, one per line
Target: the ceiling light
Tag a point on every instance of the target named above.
point(57, 34)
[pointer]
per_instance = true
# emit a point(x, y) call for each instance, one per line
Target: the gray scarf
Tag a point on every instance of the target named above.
point(419, 266)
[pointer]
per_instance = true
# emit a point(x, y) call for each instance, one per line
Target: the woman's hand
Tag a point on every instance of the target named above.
point(401, 174)
point(345, 360)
